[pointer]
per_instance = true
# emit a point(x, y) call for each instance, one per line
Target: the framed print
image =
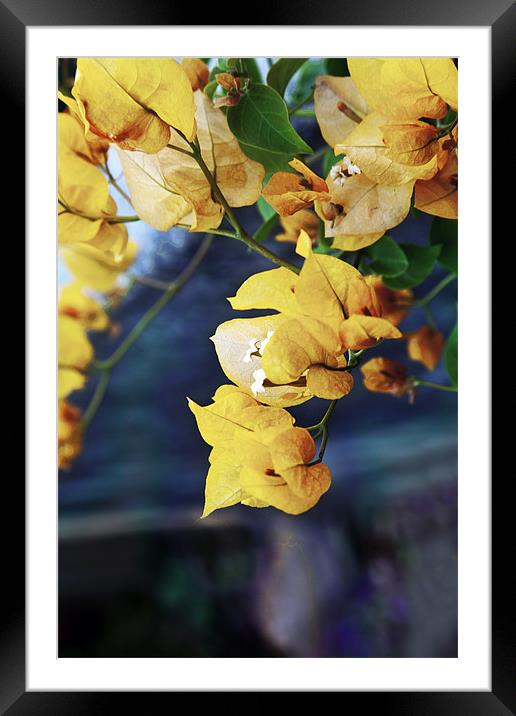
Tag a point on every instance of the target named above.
point(303, 502)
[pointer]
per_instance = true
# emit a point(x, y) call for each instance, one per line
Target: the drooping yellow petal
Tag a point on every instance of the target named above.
point(238, 177)
point(366, 148)
point(288, 193)
point(74, 348)
point(354, 243)
point(239, 344)
point(71, 137)
point(296, 345)
point(322, 287)
point(442, 78)
point(339, 107)
point(413, 143)
point(358, 332)
point(368, 207)
point(402, 87)
point(426, 346)
point(134, 101)
point(329, 384)
point(394, 304)
point(95, 268)
point(439, 195)
point(220, 422)
point(304, 220)
point(198, 72)
point(222, 485)
point(291, 448)
point(68, 434)
point(383, 375)
point(153, 199)
point(274, 289)
point(68, 380)
point(75, 303)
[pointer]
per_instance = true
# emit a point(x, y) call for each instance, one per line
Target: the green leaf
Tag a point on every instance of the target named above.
point(262, 234)
point(388, 258)
point(445, 233)
point(210, 88)
point(282, 72)
point(451, 354)
point(421, 260)
point(265, 209)
point(305, 80)
point(337, 66)
point(260, 123)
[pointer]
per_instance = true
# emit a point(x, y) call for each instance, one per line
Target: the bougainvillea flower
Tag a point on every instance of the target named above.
point(259, 457)
point(287, 192)
point(382, 375)
point(394, 304)
point(324, 311)
point(133, 101)
point(169, 186)
point(74, 352)
point(383, 163)
point(198, 72)
point(339, 107)
point(304, 220)
point(426, 346)
point(362, 210)
point(95, 268)
point(439, 195)
point(69, 437)
point(73, 302)
point(406, 88)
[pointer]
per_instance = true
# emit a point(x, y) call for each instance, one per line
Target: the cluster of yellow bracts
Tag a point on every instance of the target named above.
point(151, 109)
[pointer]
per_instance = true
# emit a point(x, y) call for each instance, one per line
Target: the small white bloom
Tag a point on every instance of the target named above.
point(337, 175)
point(257, 386)
point(251, 349)
point(352, 168)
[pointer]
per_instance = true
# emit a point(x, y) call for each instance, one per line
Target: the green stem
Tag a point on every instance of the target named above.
point(308, 113)
point(436, 386)
point(241, 234)
point(171, 291)
point(218, 232)
point(316, 156)
point(115, 184)
point(90, 217)
point(434, 291)
point(321, 428)
point(95, 401)
point(296, 107)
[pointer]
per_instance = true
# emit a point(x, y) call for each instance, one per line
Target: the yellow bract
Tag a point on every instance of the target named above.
point(69, 438)
point(133, 102)
point(198, 72)
point(383, 375)
point(439, 196)
point(406, 88)
point(95, 268)
point(73, 302)
point(304, 220)
point(426, 346)
point(395, 163)
point(287, 192)
point(287, 358)
point(74, 354)
point(170, 187)
point(339, 107)
point(259, 458)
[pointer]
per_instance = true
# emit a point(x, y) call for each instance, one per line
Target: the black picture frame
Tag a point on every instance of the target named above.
point(15, 16)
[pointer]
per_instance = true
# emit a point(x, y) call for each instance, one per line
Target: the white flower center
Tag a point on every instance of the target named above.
point(342, 171)
point(256, 347)
point(257, 385)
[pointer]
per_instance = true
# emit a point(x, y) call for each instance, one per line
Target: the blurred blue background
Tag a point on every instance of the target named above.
point(371, 571)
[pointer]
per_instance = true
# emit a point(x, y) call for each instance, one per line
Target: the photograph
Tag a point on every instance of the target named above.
point(257, 356)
